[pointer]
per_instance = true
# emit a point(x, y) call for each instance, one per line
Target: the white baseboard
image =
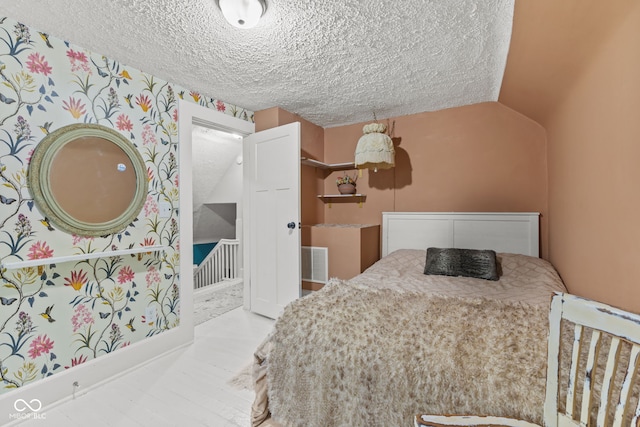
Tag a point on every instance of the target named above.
point(59, 388)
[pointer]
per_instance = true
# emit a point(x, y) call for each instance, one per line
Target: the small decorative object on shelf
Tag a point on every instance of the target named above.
point(346, 184)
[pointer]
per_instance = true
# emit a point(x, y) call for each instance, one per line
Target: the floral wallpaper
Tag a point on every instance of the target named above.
point(61, 314)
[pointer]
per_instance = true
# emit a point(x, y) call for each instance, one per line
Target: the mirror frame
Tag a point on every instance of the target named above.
point(39, 183)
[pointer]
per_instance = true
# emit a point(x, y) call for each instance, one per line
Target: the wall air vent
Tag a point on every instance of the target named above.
point(315, 265)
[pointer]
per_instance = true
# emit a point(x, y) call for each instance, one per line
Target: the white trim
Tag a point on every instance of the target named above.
point(58, 388)
point(247, 184)
point(190, 114)
point(80, 257)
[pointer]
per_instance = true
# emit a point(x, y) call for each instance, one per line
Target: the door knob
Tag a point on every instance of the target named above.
point(291, 225)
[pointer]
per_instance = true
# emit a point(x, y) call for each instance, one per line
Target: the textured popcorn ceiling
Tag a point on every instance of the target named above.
point(333, 62)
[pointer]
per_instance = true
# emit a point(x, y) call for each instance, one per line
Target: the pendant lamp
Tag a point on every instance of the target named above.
point(375, 148)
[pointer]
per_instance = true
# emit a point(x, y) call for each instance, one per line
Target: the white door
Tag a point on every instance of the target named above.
point(272, 206)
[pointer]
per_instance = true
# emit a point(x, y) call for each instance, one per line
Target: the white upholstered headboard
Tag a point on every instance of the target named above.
point(516, 232)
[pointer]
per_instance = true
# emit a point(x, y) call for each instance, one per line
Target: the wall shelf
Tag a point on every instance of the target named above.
point(327, 166)
point(331, 198)
point(80, 257)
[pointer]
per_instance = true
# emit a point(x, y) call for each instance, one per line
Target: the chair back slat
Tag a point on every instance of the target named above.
point(553, 364)
point(589, 379)
point(625, 394)
point(573, 370)
point(602, 389)
point(635, 421)
point(607, 381)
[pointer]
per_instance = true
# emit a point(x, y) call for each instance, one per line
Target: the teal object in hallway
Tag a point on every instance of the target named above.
point(201, 250)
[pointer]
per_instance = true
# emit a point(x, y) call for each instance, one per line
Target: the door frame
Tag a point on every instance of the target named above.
point(190, 114)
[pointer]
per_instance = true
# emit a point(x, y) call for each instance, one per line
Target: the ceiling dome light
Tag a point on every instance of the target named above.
point(242, 13)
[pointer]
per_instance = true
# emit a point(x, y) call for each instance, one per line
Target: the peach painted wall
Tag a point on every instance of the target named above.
point(351, 249)
point(586, 58)
point(312, 146)
point(483, 157)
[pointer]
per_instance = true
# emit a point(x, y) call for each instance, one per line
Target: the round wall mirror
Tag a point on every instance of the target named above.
point(88, 179)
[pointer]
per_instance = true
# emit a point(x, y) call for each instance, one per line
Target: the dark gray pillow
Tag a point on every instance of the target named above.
point(480, 264)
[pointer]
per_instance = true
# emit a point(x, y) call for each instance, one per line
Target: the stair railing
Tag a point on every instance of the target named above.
point(221, 264)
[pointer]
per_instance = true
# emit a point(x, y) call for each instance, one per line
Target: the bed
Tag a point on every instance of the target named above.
point(393, 341)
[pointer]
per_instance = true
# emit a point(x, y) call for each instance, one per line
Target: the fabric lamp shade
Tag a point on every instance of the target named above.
point(375, 148)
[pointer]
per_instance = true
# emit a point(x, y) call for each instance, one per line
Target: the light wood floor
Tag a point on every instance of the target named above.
point(187, 387)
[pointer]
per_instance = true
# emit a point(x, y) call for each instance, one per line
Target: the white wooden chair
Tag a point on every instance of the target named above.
point(618, 404)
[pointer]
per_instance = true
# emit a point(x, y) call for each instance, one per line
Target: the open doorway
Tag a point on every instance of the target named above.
point(217, 223)
point(217, 188)
point(193, 116)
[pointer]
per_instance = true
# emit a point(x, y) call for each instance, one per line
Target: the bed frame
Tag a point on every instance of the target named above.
point(514, 232)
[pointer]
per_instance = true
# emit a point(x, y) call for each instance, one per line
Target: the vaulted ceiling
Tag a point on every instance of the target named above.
point(552, 44)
